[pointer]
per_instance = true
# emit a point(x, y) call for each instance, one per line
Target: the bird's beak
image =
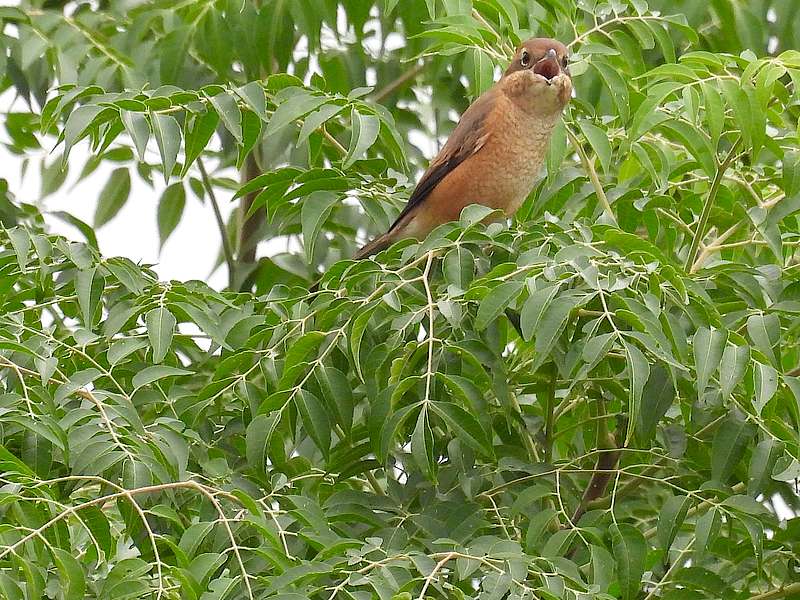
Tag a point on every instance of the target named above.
point(548, 67)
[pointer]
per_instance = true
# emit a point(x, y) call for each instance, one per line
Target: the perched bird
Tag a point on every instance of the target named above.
point(495, 152)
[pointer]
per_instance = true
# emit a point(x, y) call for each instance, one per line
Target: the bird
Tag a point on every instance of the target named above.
point(496, 150)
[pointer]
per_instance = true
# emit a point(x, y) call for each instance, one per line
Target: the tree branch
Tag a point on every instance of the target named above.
point(392, 87)
point(588, 165)
point(781, 592)
point(223, 230)
point(709, 204)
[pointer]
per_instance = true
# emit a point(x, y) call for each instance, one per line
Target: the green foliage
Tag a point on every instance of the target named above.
point(426, 424)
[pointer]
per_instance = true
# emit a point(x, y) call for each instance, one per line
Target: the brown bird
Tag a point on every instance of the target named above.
point(495, 152)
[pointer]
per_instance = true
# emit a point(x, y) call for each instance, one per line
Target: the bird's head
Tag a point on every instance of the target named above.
point(538, 78)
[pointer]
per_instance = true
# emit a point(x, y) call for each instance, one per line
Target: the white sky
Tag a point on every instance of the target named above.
point(189, 253)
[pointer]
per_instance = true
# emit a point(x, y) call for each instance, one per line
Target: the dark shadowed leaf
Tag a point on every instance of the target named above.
point(708, 347)
point(113, 196)
point(729, 445)
point(630, 552)
point(160, 329)
point(170, 210)
point(168, 137)
point(657, 396)
point(495, 302)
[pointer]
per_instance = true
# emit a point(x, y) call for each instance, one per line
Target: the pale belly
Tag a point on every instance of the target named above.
point(500, 175)
point(508, 166)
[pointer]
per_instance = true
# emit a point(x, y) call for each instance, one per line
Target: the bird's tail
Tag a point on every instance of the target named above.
point(379, 243)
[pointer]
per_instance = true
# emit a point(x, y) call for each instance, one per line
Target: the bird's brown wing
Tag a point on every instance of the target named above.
point(469, 136)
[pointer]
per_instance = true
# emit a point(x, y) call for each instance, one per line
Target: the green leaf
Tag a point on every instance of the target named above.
point(85, 229)
point(422, 445)
point(253, 96)
point(78, 124)
point(123, 348)
point(315, 419)
point(598, 140)
point(657, 397)
point(765, 381)
point(553, 321)
point(137, 127)
point(197, 136)
point(790, 180)
point(152, 374)
point(714, 110)
point(296, 356)
point(356, 335)
point(459, 267)
point(336, 393)
point(21, 242)
point(228, 110)
point(630, 552)
point(251, 132)
point(170, 210)
point(671, 519)
point(168, 137)
point(70, 573)
point(534, 309)
point(706, 531)
point(732, 368)
point(465, 426)
point(762, 462)
point(708, 347)
point(482, 72)
point(172, 51)
point(293, 108)
point(495, 302)
point(316, 120)
point(638, 375)
point(314, 212)
point(365, 132)
point(113, 196)
point(76, 381)
point(727, 449)
point(257, 438)
point(765, 332)
point(89, 286)
point(160, 324)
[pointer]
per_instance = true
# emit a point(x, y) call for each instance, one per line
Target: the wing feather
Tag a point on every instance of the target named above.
point(469, 136)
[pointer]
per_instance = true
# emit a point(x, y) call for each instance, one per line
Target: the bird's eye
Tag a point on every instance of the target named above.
point(525, 60)
point(564, 62)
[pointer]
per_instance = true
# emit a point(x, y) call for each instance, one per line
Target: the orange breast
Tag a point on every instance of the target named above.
point(500, 175)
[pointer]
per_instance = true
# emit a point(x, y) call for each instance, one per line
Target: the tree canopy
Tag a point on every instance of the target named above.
point(426, 423)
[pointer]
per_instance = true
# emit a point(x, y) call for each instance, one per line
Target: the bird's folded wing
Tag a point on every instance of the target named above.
point(469, 136)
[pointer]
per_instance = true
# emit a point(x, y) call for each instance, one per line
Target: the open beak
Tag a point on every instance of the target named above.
point(548, 67)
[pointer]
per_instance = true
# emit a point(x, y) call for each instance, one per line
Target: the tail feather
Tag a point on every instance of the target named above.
point(378, 244)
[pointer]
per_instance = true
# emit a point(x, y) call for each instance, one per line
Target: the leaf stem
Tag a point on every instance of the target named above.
point(781, 592)
point(588, 165)
point(392, 87)
point(223, 231)
point(548, 419)
point(709, 204)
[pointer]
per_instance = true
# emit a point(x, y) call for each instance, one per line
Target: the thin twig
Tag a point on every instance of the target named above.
point(782, 592)
point(709, 204)
point(548, 419)
point(588, 165)
point(223, 231)
point(713, 247)
point(392, 87)
point(333, 141)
